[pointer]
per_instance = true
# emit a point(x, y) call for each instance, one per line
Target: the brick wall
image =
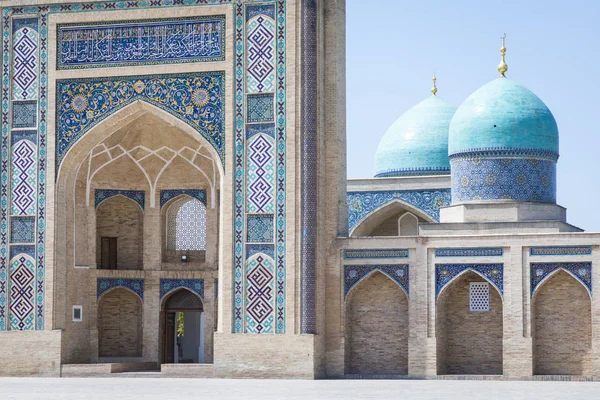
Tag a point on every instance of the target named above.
point(120, 324)
point(562, 328)
point(377, 328)
point(468, 343)
point(121, 218)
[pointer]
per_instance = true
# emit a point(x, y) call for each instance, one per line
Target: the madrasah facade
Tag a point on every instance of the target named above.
point(174, 199)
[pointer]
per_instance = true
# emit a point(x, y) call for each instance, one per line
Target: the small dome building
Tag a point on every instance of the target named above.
point(417, 143)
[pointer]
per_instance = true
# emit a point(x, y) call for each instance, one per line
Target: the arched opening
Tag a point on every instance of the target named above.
point(185, 230)
point(393, 219)
point(562, 327)
point(119, 234)
point(120, 324)
point(377, 327)
point(469, 327)
point(183, 328)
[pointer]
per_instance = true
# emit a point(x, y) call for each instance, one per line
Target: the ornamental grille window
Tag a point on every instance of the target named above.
point(186, 225)
point(479, 297)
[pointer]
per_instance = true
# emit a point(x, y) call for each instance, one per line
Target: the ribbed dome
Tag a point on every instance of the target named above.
point(417, 143)
point(503, 115)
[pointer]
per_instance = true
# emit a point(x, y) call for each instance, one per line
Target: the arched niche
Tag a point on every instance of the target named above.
point(120, 324)
point(376, 327)
point(184, 229)
point(182, 328)
point(385, 221)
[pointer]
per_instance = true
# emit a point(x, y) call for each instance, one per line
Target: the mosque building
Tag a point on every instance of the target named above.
point(174, 199)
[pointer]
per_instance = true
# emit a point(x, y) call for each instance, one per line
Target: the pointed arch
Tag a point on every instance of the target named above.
point(368, 276)
point(185, 224)
point(120, 324)
point(112, 289)
point(380, 214)
point(118, 195)
point(556, 271)
point(466, 271)
point(408, 225)
point(179, 290)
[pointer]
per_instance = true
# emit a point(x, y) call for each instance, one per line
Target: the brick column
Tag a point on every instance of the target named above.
point(152, 238)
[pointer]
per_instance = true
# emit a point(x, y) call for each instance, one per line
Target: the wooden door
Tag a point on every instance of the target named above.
point(109, 253)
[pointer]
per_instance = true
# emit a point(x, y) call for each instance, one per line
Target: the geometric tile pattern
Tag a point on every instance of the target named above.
point(260, 296)
point(105, 284)
point(561, 251)
point(22, 293)
point(260, 108)
point(24, 178)
point(375, 253)
point(261, 174)
point(186, 225)
point(195, 98)
point(446, 273)
point(168, 285)
point(261, 49)
point(260, 228)
point(353, 274)
point(503, 179)
point(362, 204)
point(167, 195)
point(24, 114)
point(194, 39)
point(25, 62)
point(139, 196)
point(22, 229)
point(582, 271)
point(470, 252)
point(17, 249)
point(253, 249)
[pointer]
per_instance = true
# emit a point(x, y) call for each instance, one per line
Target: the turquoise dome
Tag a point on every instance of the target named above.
point(503, 115)
point(417, 143)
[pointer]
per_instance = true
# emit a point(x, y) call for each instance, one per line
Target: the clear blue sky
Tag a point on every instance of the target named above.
point(393, 47)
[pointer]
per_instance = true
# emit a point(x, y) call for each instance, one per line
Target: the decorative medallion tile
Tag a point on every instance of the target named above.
point(582, 271)
point(260, 108)
point(24, 114)
point(445, 273)
point(22, 229)
point(260, 228)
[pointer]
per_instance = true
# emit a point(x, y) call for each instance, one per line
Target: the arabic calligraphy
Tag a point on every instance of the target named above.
point(197, 39)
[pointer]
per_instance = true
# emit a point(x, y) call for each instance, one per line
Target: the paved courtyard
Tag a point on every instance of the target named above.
point(164, 389)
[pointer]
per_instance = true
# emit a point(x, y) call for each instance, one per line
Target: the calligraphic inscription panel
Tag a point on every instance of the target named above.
point(111, 44)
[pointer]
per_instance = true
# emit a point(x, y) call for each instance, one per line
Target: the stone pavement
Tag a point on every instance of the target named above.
point(178, 389)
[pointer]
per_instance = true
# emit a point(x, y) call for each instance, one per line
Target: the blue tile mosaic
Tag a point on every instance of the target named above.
point(375, 253)
point(446, 273)
point(582, 271)
point(103, 285)
point(24, 114)
point(195, 98)
point(142, 42)
point(267, 10)
point(259, 228)
point(195, 285)
point(166, 195)
point(139, 196)
point(25, 60)
point(260, 108)
point(17, 136)
point(362, 204)
point(254, 249)
point(261, 49)
point(503, 179)
point(355, 273)
point(560, 251)
point(17, 249)
point(22, 229)
point(470, 252)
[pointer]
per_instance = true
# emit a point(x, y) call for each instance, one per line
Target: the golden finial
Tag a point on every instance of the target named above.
point(503, 67)
point(434, 87)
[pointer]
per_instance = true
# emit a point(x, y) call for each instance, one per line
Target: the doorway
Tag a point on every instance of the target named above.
point(108, 250)
point(183, 329)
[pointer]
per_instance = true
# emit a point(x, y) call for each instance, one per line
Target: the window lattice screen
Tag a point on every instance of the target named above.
point(479, 297)
point(186, 225)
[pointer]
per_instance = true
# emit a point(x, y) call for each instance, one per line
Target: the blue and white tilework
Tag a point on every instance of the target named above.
point(169, 285)
point(260, 174)
point(560, 250)
point(375, 253)
point(582, 271)
point(24, 178)
point(24, 114)
point(353, 274)
point(22, 293)
point(103, 285)
point(139, 196)
point(253, 249)
point(146, 42)
point(446, 273)
point(25, 59)
point(503, 179)
point(261, 48)
point(470, 252)
point(260, 294)
point(260, 228)
point(260, 108)
point(362, 204)
point(195, 98)
point(167, 195)
point(22, 229)
point(27, 249)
